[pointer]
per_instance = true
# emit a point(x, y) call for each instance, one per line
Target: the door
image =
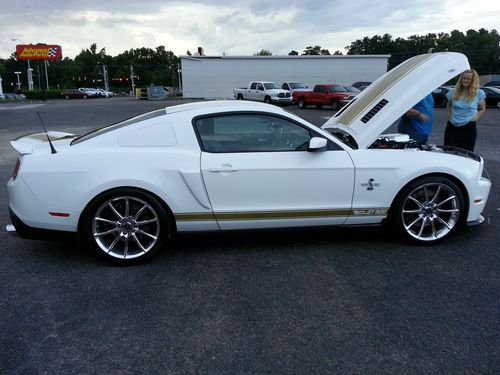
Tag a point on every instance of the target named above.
point(258, 173)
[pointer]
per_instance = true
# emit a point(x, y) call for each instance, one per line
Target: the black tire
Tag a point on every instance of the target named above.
point(335, 105)
point(66, 96)
point(267, 100)
point(125, 226)
point(428, 210)
point(319, 106)
point(84, 96)
point(239, 97)
point(302, 103)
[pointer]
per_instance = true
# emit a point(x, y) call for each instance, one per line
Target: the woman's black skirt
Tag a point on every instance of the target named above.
point(461, 136)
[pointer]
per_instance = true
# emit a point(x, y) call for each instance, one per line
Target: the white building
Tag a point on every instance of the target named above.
point(216, 77)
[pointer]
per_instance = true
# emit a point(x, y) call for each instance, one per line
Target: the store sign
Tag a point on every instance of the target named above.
point(38, 52)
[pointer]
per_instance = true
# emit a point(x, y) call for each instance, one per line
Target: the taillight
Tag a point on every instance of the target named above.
point(16, 168)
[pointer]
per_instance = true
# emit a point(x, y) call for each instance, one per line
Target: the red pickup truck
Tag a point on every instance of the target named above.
point(334, 96)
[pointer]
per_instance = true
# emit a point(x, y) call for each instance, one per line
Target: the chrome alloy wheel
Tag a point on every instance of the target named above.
point(430, 211)
point(126, 227)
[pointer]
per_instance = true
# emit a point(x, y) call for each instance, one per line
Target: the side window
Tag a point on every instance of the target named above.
point(260, 87)
point(253, 86)
point(251, 133)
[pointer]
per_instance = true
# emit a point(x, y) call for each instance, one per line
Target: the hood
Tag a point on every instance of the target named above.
point(389, 97)
point(29, 143)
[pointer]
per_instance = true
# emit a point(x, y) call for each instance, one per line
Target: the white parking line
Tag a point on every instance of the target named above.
point(21, 106)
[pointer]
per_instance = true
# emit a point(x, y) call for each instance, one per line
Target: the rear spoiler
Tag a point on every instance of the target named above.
point(28, 143)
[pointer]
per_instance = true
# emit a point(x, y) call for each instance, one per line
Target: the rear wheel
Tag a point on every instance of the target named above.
point(66, 96)
point(239, 97)
point(84, 96)
point(335, 105)
point(126, 226)
point(302, 103)
point(428, 210)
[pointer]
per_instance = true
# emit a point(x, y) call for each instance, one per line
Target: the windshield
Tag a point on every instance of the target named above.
point(351, 89)
point(337, 89)
point(129, 121)
point(295, 85)
point(271, 85)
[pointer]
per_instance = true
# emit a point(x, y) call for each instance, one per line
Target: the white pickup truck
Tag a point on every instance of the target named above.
point(267, 92)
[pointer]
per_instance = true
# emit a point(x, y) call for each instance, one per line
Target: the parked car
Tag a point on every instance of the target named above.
point(361, 84)
point(14, 96)
point(226, 165)
point(295, 86)
point(90, 92)
point(439, 95)
point(104, 93)
point(351, 89)
point(334, 96)
point(75, 94)
point(267, 92)
point(492, 96)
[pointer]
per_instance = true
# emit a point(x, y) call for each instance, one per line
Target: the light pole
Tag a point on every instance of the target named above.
point(18, 81)
point(29, 71)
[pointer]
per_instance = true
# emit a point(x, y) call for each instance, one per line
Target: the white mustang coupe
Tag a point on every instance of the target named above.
point(222, 165)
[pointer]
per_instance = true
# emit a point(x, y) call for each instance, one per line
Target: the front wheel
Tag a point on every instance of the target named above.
point(428, 210)
point(267, 100)
point(301, 103)
point(126, 226)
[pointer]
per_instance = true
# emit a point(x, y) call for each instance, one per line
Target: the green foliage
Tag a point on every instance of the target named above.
point(264, 52)
point(38, 94)
point(482, 47)
point(151, 66)
point(316, 50)
point(293, 53)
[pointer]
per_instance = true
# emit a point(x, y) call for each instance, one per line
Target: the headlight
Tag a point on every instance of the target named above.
point(275, 94)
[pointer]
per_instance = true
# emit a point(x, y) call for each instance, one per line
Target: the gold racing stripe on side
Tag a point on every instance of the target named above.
point(269, 215)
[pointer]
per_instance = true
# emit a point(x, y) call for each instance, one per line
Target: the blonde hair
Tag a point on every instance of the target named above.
point(467, 93)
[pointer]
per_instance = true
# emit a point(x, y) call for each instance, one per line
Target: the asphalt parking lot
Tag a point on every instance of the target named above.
point(351, 300)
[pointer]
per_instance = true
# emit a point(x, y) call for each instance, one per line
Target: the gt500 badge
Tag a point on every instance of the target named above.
point(369, 212)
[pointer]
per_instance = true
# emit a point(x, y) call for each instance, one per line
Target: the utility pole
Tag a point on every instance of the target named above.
point(18, 81)
point(29, 72)
point(105, 77)
point(46, 74)
point(179, 75)
point(132, 79)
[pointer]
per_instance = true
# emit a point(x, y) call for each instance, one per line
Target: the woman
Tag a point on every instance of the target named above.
point(465, 106)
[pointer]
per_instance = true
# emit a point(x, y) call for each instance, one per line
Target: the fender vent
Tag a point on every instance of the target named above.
point(374, 111)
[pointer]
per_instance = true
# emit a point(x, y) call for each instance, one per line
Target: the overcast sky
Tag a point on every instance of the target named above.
point(233, 27)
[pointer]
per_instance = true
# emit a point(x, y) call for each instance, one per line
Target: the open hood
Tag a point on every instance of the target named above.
point(389, 97)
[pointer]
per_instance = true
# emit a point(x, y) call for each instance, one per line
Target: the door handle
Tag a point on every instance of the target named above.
point(223, 168)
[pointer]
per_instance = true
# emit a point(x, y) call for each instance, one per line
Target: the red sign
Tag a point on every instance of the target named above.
point(38, 52)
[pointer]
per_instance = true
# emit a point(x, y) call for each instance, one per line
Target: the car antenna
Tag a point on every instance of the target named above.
point(52, 149)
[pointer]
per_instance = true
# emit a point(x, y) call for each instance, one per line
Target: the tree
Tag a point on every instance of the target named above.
point(316, 50)
point(264, 52)
point(293, 53)
point(482, 47)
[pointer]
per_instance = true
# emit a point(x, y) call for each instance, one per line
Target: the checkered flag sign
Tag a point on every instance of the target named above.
point(52, 52)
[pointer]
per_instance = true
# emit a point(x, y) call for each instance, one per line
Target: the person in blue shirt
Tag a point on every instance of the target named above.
point(465, 106)
point(417, 122)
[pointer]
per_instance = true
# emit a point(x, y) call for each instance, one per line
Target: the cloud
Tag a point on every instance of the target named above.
point(237, 28)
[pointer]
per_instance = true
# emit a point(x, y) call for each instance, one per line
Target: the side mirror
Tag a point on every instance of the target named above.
point(317, 144)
